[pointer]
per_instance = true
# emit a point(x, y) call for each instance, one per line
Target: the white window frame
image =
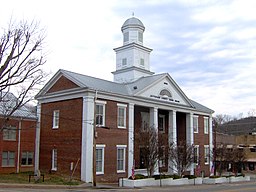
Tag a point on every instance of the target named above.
point(27, 154)
point(9, 133)
point(206, 154)
point(121, 147)
point(195, 123)
point(206, 125)
point(100, 147)
point(56, 119)
point(196, 153)
point(8, 159)
point(123, 107)
point(103, 104)
point(54, 159)
point(163, 117)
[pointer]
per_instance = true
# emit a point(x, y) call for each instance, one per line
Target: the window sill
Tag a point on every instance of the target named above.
point(120, 171)
point(119, 127)
point(27, 165)
point(8, 166)
point(99, 173)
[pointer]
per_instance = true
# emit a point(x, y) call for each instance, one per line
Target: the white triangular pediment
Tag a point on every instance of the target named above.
point(161, 87)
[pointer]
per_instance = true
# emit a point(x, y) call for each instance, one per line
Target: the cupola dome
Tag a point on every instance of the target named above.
point(133, 22)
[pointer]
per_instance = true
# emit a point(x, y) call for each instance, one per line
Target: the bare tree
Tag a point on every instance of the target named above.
point(149, 144)
point(232, 156)
point(152, 149)
point(181, 156)
point(220, 157)
point(21, 62)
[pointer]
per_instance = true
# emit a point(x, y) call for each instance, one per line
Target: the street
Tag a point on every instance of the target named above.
point(234, 187)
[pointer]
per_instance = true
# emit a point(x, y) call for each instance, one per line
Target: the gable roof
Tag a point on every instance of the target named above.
point(130, 89)
point(9, 101)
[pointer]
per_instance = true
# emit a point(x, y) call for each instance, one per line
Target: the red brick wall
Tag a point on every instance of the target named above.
point(112, 136)
point(62, 84)
point(202, 139)
point(27, 143)
point(181, 126)
point(66, 139)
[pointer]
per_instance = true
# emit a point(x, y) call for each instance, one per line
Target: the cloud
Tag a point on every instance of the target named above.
point(208, 47)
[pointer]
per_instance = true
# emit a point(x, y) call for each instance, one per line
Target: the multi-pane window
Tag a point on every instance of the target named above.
point(196, 154)
point(121, 115)
point(206, 154)
point(206, 125)
point(8, 159)
point(161, 123)
point(144, 121)
point(54, 159)
point(100, 113)
point(27, 158)
point(9, 133)
point(162, 162)
point(56, 118)
point(195, 123)
point(121, 158)
point(100, 159)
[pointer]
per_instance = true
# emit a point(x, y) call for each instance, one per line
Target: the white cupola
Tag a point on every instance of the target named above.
point(132, 59)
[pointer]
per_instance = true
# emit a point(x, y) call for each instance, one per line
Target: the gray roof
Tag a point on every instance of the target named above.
point(96, 83)
point(133, 22)
point(130, 88)
point(8, 102)
point(200, 107)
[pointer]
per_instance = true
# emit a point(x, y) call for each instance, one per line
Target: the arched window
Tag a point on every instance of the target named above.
point(165, 93)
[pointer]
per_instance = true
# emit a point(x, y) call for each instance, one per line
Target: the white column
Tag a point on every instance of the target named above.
point(131, 139)
point(210, 141)
point(154, 125)
point(37, 142)
point(172, 127)
point(189, 128)
point(87, 139)
point(172, 137)
point(190, 135)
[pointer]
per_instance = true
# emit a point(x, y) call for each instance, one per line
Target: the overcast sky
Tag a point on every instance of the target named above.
point(207, 46)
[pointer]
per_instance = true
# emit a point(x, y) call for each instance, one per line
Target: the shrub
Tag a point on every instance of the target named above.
point(162, 176)
point(175, 176)
point(138, 176)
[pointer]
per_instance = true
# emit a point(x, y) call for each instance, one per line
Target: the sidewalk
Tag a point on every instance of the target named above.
point(42, 186)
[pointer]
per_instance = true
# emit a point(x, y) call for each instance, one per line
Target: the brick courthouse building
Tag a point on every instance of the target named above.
point(137, 98)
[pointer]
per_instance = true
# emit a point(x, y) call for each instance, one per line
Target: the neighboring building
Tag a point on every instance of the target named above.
point(137, 100)
point(239, 134)
point(17, 137)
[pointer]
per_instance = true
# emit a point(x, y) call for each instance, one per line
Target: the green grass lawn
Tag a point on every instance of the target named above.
point(49, 179)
